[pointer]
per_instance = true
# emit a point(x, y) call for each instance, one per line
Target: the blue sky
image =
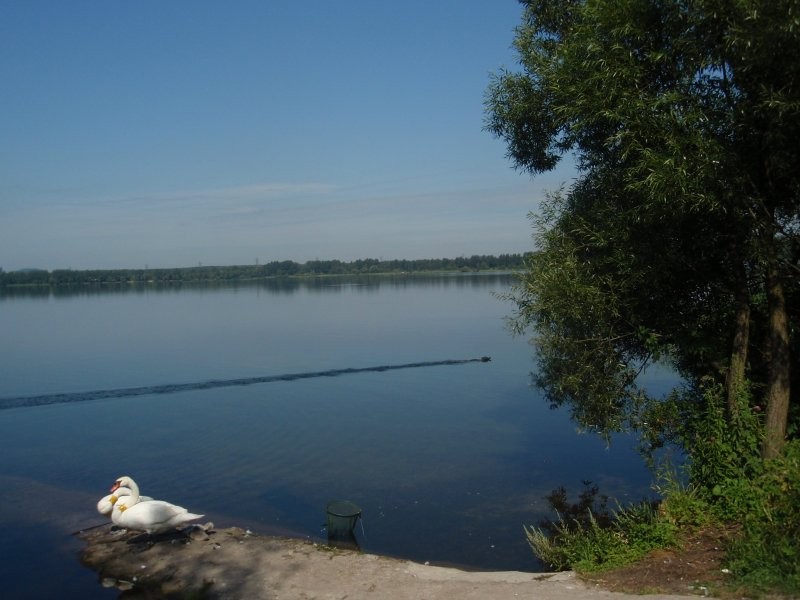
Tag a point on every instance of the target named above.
point(185, 132)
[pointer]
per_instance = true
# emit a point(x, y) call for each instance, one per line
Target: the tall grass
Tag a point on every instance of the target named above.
point(589, 542)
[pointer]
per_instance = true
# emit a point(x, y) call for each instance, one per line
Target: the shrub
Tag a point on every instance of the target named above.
point(767, 555)
point(724, 453)
point(586, 541)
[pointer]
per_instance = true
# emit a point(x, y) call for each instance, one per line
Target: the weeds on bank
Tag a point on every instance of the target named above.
point(738, 486)
point(729, 483)
point(766, 557)
point(590, 537)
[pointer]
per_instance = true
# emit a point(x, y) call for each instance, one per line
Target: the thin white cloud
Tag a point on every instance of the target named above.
point(260, 191)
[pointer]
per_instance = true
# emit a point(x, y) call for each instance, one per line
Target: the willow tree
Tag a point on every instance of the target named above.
point(682, 236)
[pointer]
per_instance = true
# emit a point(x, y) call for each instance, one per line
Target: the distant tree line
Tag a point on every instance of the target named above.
point(286, 268)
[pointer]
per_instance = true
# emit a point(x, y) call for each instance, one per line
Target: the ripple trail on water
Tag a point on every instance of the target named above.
point(172, 388)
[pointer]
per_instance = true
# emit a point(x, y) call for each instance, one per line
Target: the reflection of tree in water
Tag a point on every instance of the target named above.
point(575, 516)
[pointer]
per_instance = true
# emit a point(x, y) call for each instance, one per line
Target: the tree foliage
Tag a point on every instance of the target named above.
point(681, 238)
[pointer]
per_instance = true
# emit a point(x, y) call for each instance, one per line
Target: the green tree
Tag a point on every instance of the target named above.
point(681, 238)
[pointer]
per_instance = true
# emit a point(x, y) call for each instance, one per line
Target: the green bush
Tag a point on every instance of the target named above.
point(724, 453)
point(587, 542)
point(767, 554)
point(727, 472)
point(589, 547)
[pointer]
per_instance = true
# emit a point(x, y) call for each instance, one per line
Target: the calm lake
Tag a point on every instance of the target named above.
point(447, 461)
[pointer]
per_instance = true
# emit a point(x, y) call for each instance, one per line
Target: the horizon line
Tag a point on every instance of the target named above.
point(259, 263)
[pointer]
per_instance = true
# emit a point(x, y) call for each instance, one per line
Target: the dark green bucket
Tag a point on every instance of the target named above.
point(342, 518)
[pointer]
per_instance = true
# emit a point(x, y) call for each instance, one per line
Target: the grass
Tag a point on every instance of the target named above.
point(588, 545)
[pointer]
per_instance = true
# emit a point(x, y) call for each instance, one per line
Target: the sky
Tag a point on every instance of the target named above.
point(169, 134)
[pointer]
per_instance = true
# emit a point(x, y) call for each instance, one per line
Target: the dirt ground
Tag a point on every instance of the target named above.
point(695, 568)
point(233, 563)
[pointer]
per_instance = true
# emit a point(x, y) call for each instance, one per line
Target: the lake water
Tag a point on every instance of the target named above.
point(447, 461)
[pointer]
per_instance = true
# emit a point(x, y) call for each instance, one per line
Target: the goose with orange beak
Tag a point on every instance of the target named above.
point(152, 516)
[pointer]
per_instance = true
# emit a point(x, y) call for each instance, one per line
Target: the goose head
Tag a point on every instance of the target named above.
point(123, 481)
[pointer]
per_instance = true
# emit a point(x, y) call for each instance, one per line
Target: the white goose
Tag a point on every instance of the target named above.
point(106, 504)
point(153, 516)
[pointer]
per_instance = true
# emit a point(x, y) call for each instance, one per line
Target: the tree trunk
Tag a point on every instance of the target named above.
point(736, 372)
point(780, 364)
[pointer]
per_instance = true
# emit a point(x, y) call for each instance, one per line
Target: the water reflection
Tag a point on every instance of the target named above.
point(276, 285)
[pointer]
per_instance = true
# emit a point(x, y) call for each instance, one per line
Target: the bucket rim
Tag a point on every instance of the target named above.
point(343, 508)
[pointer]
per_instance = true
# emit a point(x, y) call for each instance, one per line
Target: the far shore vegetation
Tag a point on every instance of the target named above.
point(285, 268)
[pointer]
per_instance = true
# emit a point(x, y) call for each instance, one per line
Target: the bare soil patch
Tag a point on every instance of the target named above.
point(695, 568)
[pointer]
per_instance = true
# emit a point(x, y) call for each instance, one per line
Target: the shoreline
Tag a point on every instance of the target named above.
point(236, 563)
